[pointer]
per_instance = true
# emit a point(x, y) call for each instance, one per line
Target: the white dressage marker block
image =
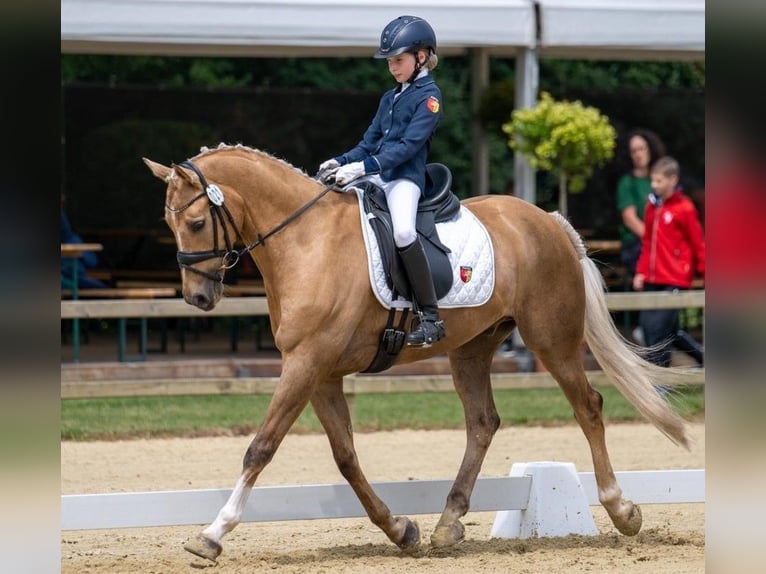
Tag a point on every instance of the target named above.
point(558, 504)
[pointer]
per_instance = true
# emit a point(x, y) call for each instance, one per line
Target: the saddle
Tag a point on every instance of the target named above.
point(441, 205)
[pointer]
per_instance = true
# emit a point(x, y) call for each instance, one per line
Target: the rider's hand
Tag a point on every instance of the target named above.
point(349, 172)
point(326, 173)
point(328, 165)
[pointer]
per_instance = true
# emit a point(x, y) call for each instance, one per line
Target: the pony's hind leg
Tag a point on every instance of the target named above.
point(471, 375)
point(587, 404)
point(331, 408)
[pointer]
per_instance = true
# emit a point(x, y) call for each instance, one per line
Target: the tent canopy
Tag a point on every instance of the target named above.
point(668, 29)
point(638, 29)
point(283, 28)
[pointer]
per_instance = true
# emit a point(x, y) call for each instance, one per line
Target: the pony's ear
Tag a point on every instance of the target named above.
point(183, 173)
point(160, 171)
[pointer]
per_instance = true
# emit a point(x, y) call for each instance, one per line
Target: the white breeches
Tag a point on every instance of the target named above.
point(402, 196)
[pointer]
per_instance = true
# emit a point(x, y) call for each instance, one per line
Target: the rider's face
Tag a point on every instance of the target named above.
point(403, 65)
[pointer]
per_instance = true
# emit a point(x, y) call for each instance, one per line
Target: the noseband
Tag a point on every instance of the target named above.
point(230, 256)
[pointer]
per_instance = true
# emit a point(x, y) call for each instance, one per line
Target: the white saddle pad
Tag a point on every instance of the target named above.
point(472, 260)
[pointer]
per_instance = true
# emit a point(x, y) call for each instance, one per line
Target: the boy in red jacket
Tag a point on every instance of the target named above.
point(673, 249)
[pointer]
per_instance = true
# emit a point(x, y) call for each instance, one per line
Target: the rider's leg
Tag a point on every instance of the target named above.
point(402, 196)
point(431, 327)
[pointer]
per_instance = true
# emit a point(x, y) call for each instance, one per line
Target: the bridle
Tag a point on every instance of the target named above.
point(230, 256)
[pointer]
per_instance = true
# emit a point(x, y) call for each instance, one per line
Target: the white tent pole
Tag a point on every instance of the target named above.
point(479, 144)
point(527, 70)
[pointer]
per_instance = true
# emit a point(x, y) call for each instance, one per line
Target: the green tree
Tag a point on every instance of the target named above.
point(566, 138)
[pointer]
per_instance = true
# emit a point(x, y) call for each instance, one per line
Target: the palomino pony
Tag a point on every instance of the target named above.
point(326, 322)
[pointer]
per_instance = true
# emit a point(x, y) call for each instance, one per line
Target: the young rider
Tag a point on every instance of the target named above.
point(394, 150)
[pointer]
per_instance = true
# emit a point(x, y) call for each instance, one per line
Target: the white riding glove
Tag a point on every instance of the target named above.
point(349, 172)
point(328, 165)
point(326, 173)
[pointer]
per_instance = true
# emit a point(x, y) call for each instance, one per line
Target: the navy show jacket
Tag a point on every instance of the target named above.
point(398, 140)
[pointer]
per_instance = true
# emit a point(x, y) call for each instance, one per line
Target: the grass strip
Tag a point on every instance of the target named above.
point(141, 417)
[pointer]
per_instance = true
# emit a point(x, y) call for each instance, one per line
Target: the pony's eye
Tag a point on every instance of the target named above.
point(197, 225)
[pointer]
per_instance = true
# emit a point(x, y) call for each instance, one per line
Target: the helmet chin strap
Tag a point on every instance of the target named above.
point(418, 67)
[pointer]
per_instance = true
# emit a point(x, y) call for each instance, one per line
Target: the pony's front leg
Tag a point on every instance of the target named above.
point(207, 544)
point(290, 398)
point(331, 408)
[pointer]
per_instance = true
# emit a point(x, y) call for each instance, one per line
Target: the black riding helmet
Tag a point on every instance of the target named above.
point(406, 34)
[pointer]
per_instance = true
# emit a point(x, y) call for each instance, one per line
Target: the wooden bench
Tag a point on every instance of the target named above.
point(611, 246)
point(121, 293)
point(122, 322)
point(245, 288)
point(147, 284)
point(137, 274)
point(183, 324)
point(145, 308)
point(248, 288)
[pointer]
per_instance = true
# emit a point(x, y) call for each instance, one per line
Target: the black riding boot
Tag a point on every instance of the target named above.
point(431, 328)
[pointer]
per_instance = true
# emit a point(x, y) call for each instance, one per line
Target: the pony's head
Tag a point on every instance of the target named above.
point(206, 220)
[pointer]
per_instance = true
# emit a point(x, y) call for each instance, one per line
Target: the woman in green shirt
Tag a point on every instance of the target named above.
point(644, 148)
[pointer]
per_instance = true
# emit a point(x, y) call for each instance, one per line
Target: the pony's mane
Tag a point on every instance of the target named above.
point(205, 151)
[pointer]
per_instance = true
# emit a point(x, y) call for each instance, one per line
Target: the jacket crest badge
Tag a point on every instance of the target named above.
point(432, 104)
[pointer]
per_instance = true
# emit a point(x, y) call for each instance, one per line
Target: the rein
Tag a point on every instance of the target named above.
point(230, 257)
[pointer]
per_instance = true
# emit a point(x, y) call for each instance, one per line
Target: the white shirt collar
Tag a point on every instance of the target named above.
point(405, 85)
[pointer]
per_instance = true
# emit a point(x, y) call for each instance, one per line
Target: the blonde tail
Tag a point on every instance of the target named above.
point(633, 376)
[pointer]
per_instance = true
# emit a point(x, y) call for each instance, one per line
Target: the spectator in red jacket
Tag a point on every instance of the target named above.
point(673, 249)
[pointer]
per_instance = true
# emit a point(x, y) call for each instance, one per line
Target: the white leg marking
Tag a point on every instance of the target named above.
point(610, 495)
point(231, 513)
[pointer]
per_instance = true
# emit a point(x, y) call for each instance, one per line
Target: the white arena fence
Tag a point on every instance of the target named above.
point(537, 499)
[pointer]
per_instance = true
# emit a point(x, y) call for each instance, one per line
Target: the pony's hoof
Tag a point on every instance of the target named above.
point(410, 542)
point(448, 535)
point(204, 547)
point(632, 525)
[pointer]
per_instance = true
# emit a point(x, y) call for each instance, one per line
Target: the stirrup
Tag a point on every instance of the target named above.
point(427, 333)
